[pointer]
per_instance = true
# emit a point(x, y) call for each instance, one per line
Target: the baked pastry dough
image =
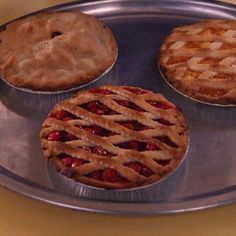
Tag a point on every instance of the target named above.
point(55, 51)
point(115, 137)
point(199, 61)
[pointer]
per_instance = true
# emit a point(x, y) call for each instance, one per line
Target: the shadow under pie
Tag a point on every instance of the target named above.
point(25, 103)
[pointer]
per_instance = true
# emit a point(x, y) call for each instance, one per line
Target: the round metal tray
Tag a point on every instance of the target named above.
point(205, 179)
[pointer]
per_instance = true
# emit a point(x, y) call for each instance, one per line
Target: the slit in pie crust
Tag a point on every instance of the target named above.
point(55, 51)
point(199, 60)
point(115, 137)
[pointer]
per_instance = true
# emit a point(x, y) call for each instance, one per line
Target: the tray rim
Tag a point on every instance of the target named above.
point(28, 189)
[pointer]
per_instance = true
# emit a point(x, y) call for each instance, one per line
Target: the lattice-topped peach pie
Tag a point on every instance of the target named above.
point(55, 51)
point(115, 137)
point(199, 60)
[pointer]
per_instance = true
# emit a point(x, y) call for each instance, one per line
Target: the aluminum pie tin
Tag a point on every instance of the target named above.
point(191, 98)
point(140, 27)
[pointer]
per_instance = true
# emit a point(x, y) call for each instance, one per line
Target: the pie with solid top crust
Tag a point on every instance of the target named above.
point(55, 51)
point(115, 137)
point(199, 60)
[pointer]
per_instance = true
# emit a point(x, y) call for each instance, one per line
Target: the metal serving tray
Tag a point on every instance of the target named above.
point(206, 178)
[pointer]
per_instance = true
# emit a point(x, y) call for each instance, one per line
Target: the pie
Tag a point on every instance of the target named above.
point(199, 60)
point(55, 51)
point(115, 137)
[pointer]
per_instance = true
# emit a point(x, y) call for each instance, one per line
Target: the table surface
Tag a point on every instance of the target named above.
point(23, 216)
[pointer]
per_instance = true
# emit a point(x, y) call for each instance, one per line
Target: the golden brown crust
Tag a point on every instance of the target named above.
point(177, 132)
point(55, 51)
point(199, 61)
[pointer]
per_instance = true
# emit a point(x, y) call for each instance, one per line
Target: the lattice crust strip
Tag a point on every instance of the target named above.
point(115, 137)
point(199, 60)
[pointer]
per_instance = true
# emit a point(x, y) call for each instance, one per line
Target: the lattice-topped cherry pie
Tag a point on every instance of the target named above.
point(115, 137)
point(55, 51)
point(199, 60)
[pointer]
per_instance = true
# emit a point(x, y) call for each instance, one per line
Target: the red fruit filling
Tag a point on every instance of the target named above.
point(168, 141)
point(163, 162)
point(136, 166)
point(160, 104)
point(164, 122)
point(140, 168)
point(136, 90)
point(100, 151)
point(54, 136)
point(111, 175)
point(97, 174)
point(62, 136)
point(100, 90)
point(130, 105)
point(97, 130)
point(138, 146)
point(133, 145)
point(70, 161)
point(98, 108)
point(107, 175)
point(147, 171)
point(152, 147)
point(133, 125)
point(67, 161)
point(63, 115)
point(78, 162)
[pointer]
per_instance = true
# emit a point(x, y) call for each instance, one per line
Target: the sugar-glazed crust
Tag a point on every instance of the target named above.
point(55, 51)
point(199, 60)
point(157, 127)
